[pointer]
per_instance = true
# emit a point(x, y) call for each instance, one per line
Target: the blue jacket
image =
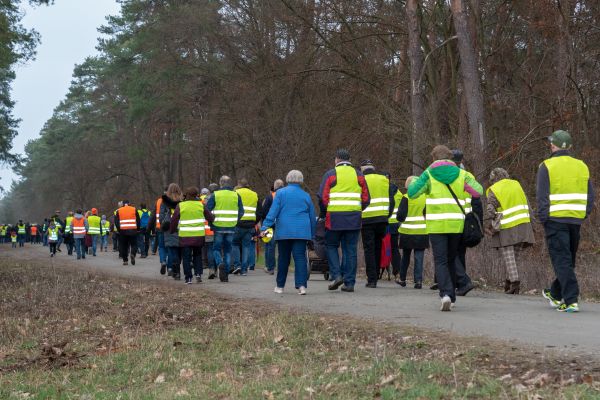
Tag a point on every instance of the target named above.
point(293, 212)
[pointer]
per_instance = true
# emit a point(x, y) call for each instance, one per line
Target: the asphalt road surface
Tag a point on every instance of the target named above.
point(523, 319)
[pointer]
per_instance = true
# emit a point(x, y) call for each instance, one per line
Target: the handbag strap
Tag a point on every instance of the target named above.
point(456, 199)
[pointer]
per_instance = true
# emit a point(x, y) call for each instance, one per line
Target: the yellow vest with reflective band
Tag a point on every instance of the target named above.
point(414, 224)
point(53, 234)
point(397, 199)
point(105, 227)
point(250, 201)
point(345, 196)
point(443, 215)
point(468, 199)
point(191, 219)
point(513, 203)
point(21, 229)
point(226, 209)
point(568, 187)
point(379, 191)
point(68, 223)
point(94, 225)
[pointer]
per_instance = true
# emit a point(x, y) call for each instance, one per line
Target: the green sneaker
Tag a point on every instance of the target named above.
point(574, 307)
point(554, 303)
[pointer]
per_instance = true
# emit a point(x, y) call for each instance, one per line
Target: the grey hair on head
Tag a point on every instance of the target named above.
point(498, 174)
point(225, 181)
point(278, 184)
point(294, 176)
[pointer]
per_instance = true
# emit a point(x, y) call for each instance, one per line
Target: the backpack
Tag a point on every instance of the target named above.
point(144, 219)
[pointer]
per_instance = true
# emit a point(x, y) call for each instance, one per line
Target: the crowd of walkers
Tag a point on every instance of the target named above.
point(219, 227)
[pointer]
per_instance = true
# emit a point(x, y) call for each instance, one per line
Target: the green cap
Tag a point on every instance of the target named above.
point(561, 139)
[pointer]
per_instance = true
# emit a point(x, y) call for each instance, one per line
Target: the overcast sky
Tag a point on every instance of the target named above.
point(69, 34)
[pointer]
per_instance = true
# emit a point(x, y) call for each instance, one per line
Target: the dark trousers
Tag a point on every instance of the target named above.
point(52, 248)
point(563, 241)
point(115, 240)
point(70, 243)
point(295, 248)
point(418, 268)
point(192, 257)
point(396, 259)
point(127, 244)
point(462, 278)
point(372, 236)
point(445, 249)
point(174, 259)
point(143, 242)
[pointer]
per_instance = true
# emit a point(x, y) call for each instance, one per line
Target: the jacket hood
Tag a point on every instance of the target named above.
point(169, 202)
point(78, 216)
point(444, 171)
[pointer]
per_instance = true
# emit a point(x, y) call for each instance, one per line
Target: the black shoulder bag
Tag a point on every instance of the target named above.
point(473, 231)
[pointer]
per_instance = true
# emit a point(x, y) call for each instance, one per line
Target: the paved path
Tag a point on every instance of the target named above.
point(524, 319)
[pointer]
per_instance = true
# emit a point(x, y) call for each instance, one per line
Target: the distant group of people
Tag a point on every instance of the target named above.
point(443, 208)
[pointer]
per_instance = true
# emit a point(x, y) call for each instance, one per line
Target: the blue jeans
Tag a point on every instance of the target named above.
point(418, 269)
point(94, 243)
point(223, 242)
point(270, 255)
point(162, 251)
point(80, 247)
point(242, 238)
point(208, 255)
point(21, 239)
point(348, 241)
point(104, 244)
point(192, 256)
point(174, 258)
point(287, 249)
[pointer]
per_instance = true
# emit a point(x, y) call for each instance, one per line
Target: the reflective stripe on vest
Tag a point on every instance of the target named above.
point(397, 199)
point(191, 219)
point(414, 224)
point(68, 224)
point(513, 203)
point(78, 226)
point(127, 220)
point(379, 190)
point(568, 187)
point(53, 234)
point(345, 196)
point(105, 227)
point(443, 215)
point(158, 203)
point(226, 209)
point(21, 230)
point(94, 224)
point(250, 201)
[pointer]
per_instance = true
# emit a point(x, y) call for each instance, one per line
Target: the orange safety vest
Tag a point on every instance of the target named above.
point(34, 230)
point(158, 204)
point(127, 219)
point(207, 230)
point(78, 226)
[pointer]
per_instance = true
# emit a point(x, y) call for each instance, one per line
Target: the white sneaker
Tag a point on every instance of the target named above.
point(446, 303)
point(278, 290)
point(302, 290)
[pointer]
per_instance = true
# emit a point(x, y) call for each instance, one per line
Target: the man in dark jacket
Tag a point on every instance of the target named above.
point(343, 195)
point(270, 259)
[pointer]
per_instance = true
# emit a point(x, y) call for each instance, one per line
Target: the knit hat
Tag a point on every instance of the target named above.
point(561, 139)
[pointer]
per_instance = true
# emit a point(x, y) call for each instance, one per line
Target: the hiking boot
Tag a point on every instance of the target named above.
point(571, 308)
point(514, 288)
point(223, 275)
point(132, 259)
point(401, 283)
point(163, 269)
point(212, 273)
point(371, 285)
point(348, 289)
point(434, 286)
point(236, 271)
point(464, 290)
point(446, 304)
point(336, 284)
point(198, 278)
point(418, 285)
point(554, 303)
point(506, 286)
point(124, 262)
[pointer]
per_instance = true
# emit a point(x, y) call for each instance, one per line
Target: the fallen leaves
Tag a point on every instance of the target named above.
point(161, 378)
point(186, 373)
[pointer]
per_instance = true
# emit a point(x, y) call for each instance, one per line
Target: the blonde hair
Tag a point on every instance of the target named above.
point(174, 192)
point(441, 152)
point(408, 181)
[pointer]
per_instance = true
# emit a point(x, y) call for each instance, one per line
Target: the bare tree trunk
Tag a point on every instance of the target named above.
point(471, 84)
point(417, 100)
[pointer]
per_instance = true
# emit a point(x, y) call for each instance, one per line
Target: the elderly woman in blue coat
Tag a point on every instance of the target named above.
point(294, 214)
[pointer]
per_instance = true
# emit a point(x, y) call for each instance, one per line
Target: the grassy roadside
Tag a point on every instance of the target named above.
point(71, 334)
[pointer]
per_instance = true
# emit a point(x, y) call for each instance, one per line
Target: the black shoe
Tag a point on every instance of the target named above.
point(170, 272)
point(223, 273)
point(434, 286)
point(132, 259)
point(336, 284)
point(370, 285)
point(418, 285)
point(59, 250)
point(212, 274)
point(401, 283)
point(464, 290)
point(236, 271)
point(177, 277)
point(125, 263)
point(198, 278)
point(347, 289)
point(153, 253)
point(188, 281)
point(163, 269)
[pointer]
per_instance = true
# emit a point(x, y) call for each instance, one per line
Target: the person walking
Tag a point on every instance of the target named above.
point(143, 240)
point(446, 186)
point(294, 214)
point(270, 246)
point(375, 219)
point(21, 231)
point(115, 231)
point(159, 240)
point(44, 230)
point(53, 234)
point(394, 228)
point(208, 257)
point(509, 223)
point(68, 234)
point(413, 236)
point(34, 233)
point(127, 222)
point(343, 195)
point(105, 232)
point(79, 228)
point(228, 209)
point(169, 202)
point(13, 238)
point(188, 221)
point(565, 198)
point(243, 245)
point(95, 229)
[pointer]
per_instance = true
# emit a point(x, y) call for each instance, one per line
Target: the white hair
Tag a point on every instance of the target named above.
point(294, 176)
point(278, 184)
point(225, 181)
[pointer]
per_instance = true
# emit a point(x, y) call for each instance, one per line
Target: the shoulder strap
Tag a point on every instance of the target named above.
point(455, 198)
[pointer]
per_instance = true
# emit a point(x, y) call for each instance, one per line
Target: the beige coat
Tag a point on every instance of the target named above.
point(518, 235)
